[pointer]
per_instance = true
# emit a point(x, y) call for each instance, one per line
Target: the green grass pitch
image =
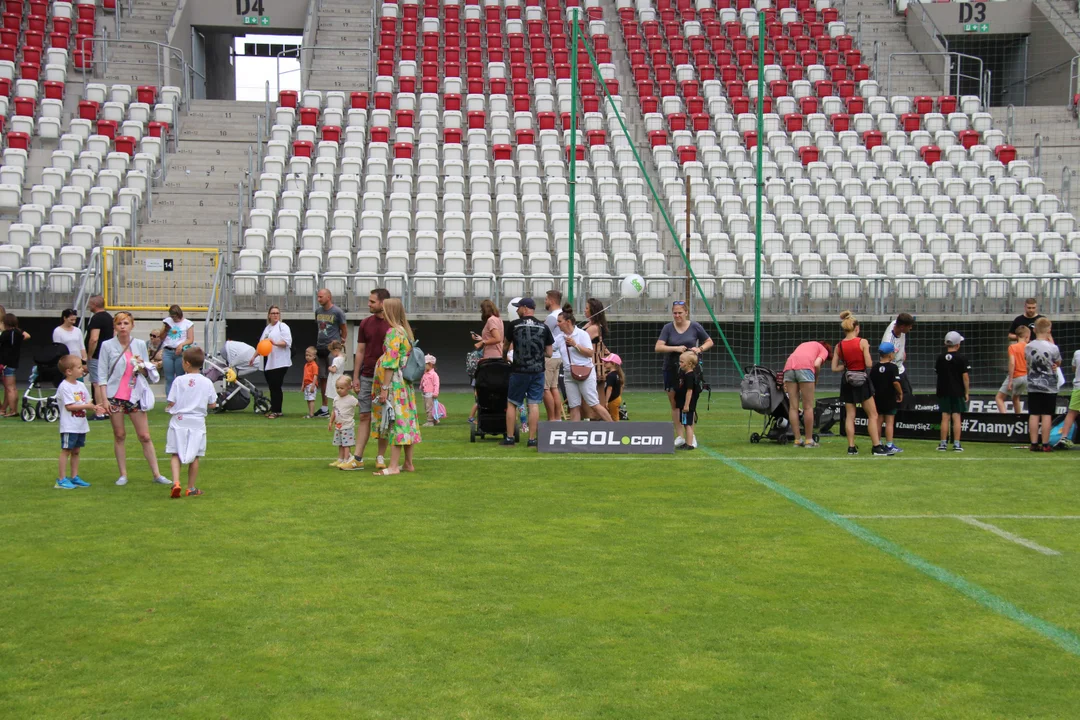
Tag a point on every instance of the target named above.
point(738, 580)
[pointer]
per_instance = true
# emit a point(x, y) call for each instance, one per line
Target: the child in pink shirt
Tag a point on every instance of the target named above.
point(429, 385)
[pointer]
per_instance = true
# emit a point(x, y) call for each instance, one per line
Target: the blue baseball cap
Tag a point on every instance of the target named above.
point(886, 348)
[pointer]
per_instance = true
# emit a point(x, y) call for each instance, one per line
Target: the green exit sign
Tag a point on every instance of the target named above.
point(252, 20)
point(977, 27)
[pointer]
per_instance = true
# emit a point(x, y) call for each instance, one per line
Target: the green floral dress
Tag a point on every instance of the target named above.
point(405, 430)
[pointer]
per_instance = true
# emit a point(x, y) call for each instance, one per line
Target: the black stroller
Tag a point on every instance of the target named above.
point(227, 370)
point(762, 391)
point(39, 399)
point(492, 382)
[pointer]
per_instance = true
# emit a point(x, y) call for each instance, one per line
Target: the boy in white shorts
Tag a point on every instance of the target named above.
point(190, 396)
point(343, 425)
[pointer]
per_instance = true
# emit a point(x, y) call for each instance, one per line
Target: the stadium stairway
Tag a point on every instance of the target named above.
point(130, 60)
point(1060, 139)
point(1066, 19)
point(200, 190)
point(881, 25)
point(342, 24)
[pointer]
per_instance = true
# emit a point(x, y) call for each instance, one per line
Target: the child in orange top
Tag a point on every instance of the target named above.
point(1015, 384)
point(311, 380)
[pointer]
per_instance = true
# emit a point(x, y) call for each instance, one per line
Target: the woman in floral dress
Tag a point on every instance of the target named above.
point(390, 389)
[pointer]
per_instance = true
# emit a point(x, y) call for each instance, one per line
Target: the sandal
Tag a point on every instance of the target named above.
point(800, 443)
point(385, 471)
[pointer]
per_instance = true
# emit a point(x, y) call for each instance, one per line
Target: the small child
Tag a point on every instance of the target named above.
point(336, 364)
point(688, 388)
point(953, 389)
point(1043, 359)
point(614, 380)
point(888, 393)
point(1015, 383)
point(74, 401)
point(343, 424)
point(190, 396)
point(311, 380)
point(1066, 442)
point(429, 385)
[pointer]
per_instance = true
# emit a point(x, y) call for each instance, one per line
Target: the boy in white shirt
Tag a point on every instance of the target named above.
point(190, 396)
point(74, 401)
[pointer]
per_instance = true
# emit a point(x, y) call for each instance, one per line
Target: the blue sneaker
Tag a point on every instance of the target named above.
point(64, 484)
point(893, 448)
point(79, 482)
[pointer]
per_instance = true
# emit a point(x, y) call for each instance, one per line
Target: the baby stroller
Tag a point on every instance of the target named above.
point(762, 391)
point(492, 382)
point(227, 370)
point(39, 399)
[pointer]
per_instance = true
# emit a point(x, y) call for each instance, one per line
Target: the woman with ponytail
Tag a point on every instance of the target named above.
point(852, 356)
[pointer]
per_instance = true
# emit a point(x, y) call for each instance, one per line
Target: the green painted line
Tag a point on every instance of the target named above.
point(1065, 639)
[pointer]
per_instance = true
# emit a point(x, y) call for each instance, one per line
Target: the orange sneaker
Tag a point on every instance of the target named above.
point(176, 491)
point(194, 491)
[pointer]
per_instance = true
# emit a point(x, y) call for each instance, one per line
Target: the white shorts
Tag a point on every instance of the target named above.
point(186, 438)
point(578, 390)
point(310, 393)
point(1020, 386)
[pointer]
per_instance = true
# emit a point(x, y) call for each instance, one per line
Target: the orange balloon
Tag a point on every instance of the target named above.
point(264, 347)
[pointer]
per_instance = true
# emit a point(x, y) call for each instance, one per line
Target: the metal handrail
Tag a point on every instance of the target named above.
point(938, 36)
point(299, 54)
point(1063, 20)
point(87, 286)
point(948, 74)
point(311, 26)
point(166, 55)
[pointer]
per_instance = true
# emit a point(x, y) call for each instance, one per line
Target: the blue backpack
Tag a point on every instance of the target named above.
point(415, 366)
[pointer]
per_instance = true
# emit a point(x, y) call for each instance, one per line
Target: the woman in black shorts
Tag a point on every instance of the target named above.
point(853, 358)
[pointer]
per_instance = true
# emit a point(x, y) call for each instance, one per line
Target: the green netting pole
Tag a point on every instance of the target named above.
point(760, 185)
point(574, 14)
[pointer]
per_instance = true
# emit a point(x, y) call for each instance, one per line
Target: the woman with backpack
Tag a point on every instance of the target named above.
point(853, 358)
point(393, 414)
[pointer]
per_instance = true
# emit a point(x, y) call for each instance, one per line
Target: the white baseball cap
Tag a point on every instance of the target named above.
point(953, 338)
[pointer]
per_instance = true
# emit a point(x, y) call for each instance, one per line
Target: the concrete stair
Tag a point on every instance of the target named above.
point(1060, 144)
point(1066, 19)
point(199, 195)
point(130, 60)
point(905, 75)
point(343, 24)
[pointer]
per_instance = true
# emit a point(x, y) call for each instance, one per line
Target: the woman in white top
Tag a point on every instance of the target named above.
point(125, 371)
point(279, 360)
point(178, 332)
point(68, 334)
point(575, 347)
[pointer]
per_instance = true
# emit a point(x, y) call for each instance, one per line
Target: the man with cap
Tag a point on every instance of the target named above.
point(888, 393)
point(532, 342)
point(896, 334)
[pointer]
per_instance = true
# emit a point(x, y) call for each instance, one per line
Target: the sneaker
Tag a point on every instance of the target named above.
point(693, 445)
point(853, 450)
point(1035, 447)
point(335, 463)
point(162, 480)
point(880, 451)
point(811, 444)
point(79, 482)
point(890, 449)
point(1047, 448)
point(894, 448)
point(957, 447)
point(176, 491)
point(428, 424)
point(531, 443)
point(680, 441)
point(508, 442)
point(380, 462)
point(63, 484)
point(194, 491)
point(943, 447)
point(1064, 444)
point(350, 465)
point(321, 413)
point(800, 443)
point(472, 421)
point(122, 480)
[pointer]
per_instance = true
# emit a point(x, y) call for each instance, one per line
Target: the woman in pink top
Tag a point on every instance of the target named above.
point(490, 340)
point(800, 379)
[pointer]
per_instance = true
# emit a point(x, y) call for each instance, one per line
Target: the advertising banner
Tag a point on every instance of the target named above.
point(982, 422)
point(624, 438)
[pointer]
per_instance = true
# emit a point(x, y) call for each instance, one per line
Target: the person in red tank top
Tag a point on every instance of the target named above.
point(853, 358)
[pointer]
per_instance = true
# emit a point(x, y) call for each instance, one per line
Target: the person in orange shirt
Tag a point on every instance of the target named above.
point(311, 380)
point(1015, 384)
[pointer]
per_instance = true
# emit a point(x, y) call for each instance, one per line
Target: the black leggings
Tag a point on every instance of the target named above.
point(275, 378)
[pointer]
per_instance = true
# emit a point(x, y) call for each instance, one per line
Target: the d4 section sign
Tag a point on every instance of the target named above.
point(623, 438)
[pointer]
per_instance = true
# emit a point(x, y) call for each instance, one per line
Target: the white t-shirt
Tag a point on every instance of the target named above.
point(552, 321)
point(337, 365)
point(898, 341)
point(70, 337)
point(177, 332)
point(575, 357)
point(73, 393)
point(345, 411)
point(1076, 364)
point(279, 356)
point(190, 394)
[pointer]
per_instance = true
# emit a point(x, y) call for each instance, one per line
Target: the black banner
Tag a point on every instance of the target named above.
point(625, 438)
point(981, 423)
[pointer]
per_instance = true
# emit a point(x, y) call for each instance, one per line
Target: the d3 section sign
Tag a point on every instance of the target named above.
point(624, 438)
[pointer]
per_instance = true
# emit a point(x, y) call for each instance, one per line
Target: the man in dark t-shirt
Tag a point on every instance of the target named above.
point(1031, 314)
point(369, 348)
point(532, 342)
point(99, 329)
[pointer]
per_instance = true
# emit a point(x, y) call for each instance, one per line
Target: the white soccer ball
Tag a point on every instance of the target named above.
point(632, 286)
point(511, 309)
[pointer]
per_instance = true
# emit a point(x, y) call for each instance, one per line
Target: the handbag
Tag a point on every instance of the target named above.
point(855, 378)
point(580, 372)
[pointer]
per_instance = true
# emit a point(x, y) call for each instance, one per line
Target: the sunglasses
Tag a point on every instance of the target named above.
point(677, 303)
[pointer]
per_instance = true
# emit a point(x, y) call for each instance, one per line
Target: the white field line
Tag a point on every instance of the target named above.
point(683, 457)
point(975, 521)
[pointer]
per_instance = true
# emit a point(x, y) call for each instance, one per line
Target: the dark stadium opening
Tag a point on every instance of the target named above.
point(1005, 56)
